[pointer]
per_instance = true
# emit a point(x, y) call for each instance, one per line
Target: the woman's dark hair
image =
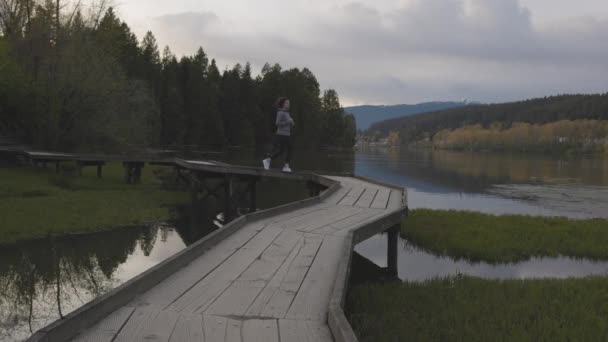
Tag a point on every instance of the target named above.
point(281, 102)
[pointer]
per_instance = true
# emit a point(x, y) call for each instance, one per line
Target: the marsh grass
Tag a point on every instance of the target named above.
point(36, 202)
point(471, 309)
point(508, 238)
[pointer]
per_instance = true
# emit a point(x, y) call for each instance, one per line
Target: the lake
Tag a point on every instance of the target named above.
point(43, 279)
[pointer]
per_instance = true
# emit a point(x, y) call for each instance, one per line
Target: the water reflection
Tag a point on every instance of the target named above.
point(449, 171)
point(43, 280)
point(417, 265)
point(493, 183)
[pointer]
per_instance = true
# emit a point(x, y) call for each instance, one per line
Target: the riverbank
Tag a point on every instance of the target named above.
point(463, 308)
point(508, 238)
point(37, 202)
point(559, 137)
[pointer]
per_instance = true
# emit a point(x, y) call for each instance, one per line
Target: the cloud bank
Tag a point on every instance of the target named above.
point(419, 50)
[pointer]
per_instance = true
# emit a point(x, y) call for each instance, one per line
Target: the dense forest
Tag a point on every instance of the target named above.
point(505, 126)
point(79, 79)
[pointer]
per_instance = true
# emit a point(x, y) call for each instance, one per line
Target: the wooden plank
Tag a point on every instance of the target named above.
point(339, 194)
point(349, 223)
point(233, 331)
point(342, 229)
point(256, 330)
point(136, 323)
point(381, 200)
point(303, 219)
point(189, 328)
point(241, 293)
point(357, 182)
point(163, 294)
point(318, 283)
point(236, 299)
point(199, 297)
point(215, 328)
point(285, 217)
point(365, 201)
point(280, 300)
point(336, 214)
point(304, 331)
point(273, 257)
point(256, 308)
point(394, 201)
point(148, 324)
point(106, 330)
point(352, 196)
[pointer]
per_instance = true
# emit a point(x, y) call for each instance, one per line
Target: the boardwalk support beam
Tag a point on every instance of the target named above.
point(392, 252)
point(133, 172)
point(253, 195)
point(314, 189)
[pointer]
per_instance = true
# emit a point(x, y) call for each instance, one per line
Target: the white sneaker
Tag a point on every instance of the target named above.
point(266, 163)
point(286, 168)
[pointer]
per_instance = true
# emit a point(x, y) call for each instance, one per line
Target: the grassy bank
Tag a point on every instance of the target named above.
point(473, 309)
point(507, 238)
point(35, 202)
point(469, 309)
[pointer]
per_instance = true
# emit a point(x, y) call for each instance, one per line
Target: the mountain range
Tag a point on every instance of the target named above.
point(366, 115)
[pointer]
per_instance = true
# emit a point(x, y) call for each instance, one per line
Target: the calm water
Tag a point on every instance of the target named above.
point(42, 279)
point(79, 268)
point(499, 184)
point(416, 265)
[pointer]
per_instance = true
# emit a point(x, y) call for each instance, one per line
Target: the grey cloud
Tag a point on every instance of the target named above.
point(485, 50)
point(500, 30)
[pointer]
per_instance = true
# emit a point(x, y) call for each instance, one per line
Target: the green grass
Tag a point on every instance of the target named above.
point(36, 203)
point(508, 238)
point(473, 309)
point(470, 309)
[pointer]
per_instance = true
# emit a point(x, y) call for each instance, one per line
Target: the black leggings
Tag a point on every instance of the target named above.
point(282, 143)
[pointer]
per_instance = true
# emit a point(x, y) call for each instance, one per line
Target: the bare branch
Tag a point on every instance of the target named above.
point(98, 10)
point(76, 9)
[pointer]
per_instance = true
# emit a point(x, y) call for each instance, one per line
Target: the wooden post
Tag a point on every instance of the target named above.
point(137, 173)
point(313, 189)
point(228, 193)
point(194, 189)
point(253, 196)
point(128, 172)
point(392, 253)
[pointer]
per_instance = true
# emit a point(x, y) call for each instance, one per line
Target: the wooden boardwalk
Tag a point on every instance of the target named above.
point(274, 275)
point(272, 279)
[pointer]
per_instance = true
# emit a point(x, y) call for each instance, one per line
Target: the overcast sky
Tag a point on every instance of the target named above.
point(391, 51)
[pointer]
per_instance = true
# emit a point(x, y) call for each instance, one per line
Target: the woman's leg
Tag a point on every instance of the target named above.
point(278, 147)
point(288, 147)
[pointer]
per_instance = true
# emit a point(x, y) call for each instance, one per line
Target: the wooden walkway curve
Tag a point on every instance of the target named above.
point(271, 277)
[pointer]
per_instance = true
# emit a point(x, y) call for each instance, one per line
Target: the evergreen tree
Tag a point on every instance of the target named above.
point(214, 135)
point(69, 82)
point(333, 118)
point(150, 63)
point(116, 38)
point(171, 102)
